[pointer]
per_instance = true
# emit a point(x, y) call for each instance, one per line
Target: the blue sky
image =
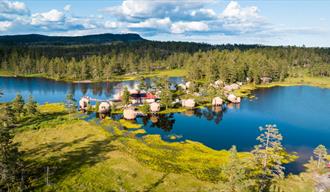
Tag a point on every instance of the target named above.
point(270, 22)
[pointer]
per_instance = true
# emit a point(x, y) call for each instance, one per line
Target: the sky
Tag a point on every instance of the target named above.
point(268, 22)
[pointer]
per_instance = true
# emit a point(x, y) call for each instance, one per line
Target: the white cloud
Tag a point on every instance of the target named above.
point(112, 24)
point(152, 23)
point(234, 10)
point(5, 25)
point(67, 8)
point(13, 7)
point(241, 20)
point(182, 27)
point(139, 10)
point(46, 17)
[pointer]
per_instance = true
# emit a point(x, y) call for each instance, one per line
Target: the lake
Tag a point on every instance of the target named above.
point(302, 113)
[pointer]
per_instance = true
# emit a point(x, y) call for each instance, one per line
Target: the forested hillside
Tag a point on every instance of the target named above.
point(93, 58)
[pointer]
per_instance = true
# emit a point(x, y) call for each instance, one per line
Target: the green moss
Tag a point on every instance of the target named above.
point(173, 110)
point(52, 108)
point(129, 124)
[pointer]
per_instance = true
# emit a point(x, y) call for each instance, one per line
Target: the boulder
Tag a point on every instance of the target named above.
point(217, 101)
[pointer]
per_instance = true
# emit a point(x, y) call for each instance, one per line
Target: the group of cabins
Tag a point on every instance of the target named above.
point(139, 97)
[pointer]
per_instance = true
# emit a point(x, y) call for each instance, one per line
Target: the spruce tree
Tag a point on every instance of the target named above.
point(166, 96)
point(31, 106)
point(10, 163)
point(71, 103)
point(235, 173)
point(125, 96)
point(18, 104)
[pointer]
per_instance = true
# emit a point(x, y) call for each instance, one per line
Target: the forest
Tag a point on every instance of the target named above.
point(102, 61)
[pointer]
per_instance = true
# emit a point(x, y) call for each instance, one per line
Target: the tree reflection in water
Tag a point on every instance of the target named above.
point(163, 121)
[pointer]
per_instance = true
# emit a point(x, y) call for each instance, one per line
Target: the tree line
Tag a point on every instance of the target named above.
point(204, 62)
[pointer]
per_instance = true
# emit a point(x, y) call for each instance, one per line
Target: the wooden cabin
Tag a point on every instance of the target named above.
point(140, 97)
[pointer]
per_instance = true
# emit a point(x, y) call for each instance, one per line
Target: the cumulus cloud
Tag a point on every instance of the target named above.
point(13, 7)
point(5, 25)
point(184, 17)
point(137, 10)
point(182, 27)
point(246, 19)
point(46, 17)
point(67, 8)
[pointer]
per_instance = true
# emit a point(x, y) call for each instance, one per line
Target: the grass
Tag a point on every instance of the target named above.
point(173, 110)
point(82, 156)
point(101, 156)
point(129, 124)
point(51, 108)
point(5, 73)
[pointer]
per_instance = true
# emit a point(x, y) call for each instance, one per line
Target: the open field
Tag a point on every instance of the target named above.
point(102, 156)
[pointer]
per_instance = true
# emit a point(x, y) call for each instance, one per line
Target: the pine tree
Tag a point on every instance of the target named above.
point(18, 104)
point(31, 106)
point(320, 153)
point(71, 103)
point(166, 96)
point(269, 155)
point(235, 173)
point(10, 163)
point(143, 83)
point(125, 96)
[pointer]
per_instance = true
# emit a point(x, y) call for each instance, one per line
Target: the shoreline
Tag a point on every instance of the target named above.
point(117, 78)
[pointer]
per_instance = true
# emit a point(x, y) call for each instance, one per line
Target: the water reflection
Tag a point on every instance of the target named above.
point(162, 121)
point(44, 90)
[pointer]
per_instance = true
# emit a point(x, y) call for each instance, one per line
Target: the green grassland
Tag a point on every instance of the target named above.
point(104, 156)
point(82, 156)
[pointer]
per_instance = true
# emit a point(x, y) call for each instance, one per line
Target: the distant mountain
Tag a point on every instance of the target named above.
point(35, 39)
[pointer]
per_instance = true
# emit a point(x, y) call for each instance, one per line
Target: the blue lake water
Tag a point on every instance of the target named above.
point(302, 113)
